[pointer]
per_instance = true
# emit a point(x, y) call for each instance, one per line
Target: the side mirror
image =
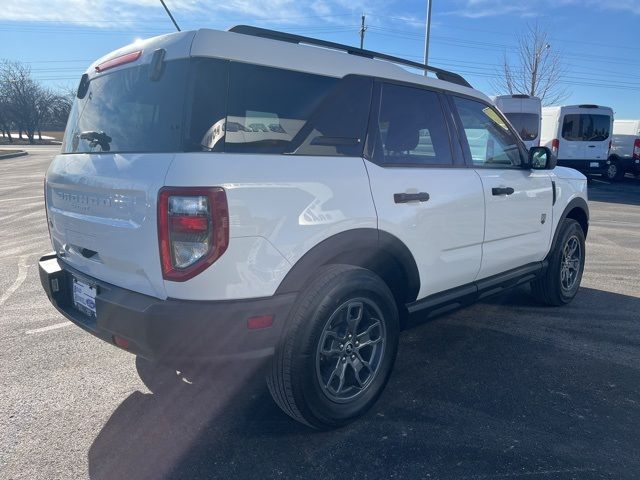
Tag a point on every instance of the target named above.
point(541, 158)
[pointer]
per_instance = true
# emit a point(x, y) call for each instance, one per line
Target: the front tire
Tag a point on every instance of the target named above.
point(338, 350)
point(561, 280)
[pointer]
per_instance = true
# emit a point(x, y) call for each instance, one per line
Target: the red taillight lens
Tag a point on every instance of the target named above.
point(121, 60)
point(636, 149)
point(193, 230)
point(555, 145)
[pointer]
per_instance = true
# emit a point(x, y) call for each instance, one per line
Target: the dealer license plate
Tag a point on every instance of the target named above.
point(84, 297)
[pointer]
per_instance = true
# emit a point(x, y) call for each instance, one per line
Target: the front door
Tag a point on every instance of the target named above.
point(518, 201)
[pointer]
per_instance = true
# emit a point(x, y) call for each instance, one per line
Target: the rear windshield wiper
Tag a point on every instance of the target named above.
point(96, 138)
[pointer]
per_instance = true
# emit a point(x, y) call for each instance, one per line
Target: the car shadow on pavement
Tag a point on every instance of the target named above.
point(627, 191)
point(504, 387)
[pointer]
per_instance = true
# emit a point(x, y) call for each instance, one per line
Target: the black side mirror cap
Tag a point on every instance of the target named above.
point(542, 158)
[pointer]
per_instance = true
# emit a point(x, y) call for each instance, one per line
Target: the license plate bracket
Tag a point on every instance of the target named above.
point(84, 297)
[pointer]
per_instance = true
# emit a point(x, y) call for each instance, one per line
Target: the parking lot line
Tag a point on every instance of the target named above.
point(22, 275)
point(50, 327)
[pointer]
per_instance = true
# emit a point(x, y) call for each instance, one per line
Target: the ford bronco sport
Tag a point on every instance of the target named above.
point(252, 194)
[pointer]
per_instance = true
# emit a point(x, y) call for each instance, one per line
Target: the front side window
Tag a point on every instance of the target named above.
point(412, 128)
point(584, 127)
point(491, 142)
point(526, 124)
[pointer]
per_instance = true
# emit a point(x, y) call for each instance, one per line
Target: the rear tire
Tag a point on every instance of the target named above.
point(614, 172)
point(561, 281)
point(338, 349)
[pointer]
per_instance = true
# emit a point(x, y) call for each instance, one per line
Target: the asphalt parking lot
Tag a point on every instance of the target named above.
point(503, 389)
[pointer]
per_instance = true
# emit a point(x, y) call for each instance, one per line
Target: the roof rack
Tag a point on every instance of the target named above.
point(441, 74)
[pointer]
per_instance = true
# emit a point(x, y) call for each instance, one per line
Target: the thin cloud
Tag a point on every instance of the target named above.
point(528, 8)
point(116, 13)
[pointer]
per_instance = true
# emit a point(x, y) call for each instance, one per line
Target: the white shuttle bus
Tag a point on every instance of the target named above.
point(524, 112)
point(579, 135)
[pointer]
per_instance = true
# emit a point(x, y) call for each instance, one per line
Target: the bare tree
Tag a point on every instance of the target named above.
point(537, 71)
point(22, 91)
point(27, 106)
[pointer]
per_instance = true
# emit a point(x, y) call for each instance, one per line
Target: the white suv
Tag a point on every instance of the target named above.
point(252, 194)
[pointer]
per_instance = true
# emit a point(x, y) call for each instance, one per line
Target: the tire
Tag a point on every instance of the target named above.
point(313, 373)
point(158, 378)
point(614, 172)
point(561, 281)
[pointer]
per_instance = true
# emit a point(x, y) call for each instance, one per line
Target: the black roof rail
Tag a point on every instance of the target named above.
point(441, 74)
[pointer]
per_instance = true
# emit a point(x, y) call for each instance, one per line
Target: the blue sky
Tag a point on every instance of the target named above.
point(598, 39)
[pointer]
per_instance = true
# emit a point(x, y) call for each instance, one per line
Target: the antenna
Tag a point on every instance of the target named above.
point(170, 16)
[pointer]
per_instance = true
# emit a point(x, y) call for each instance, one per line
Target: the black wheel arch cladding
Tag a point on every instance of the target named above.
point(376, 250)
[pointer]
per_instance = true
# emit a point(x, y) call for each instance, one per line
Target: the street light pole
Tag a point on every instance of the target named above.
point(427, 35)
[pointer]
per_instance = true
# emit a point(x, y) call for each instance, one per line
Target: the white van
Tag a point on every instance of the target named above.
point(580, 136)
point(625, 148)
point(524, 112)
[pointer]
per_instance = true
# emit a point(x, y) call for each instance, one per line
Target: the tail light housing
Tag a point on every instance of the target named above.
point(636, 149)
point(193, 230)
point(609, 149)
point(555, 145)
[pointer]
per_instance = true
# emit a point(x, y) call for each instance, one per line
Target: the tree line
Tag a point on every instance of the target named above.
point(28, 107)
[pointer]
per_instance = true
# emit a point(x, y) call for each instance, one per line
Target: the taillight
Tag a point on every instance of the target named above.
point(609, 149)
point(555, 145)
point(636, 149)
point(46, 210)
point(117, 61)
point(193, 229)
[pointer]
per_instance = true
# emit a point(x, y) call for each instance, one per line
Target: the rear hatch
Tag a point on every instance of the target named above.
point(586, 132)
point(121, 136)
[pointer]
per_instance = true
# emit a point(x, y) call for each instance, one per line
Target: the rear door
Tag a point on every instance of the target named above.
point(423, 193)
point(586, 132)
point(572, 146)
point(518, 201)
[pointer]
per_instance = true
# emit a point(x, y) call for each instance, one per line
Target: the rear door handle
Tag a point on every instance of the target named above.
point(502, 191)
point(410, 197)
point(591, 146)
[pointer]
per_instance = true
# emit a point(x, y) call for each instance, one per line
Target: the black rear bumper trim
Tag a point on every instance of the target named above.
point(169, 330)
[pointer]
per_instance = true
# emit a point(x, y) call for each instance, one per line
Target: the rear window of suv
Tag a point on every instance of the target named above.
point(586, 127)
point(526, 124)
point(220, 106)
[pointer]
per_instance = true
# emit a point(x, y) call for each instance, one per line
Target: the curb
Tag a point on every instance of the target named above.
point(22, 153)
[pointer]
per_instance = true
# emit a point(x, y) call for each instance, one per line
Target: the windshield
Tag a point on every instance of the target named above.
point(526, 124)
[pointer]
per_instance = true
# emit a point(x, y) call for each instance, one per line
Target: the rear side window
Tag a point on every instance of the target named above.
point(411, 128)
point(585, 127)
point(491, 143)
point(267, 107)
point(526, 124)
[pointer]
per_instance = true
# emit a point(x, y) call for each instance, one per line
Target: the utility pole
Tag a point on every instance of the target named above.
point(362, 30)
point(427, 35)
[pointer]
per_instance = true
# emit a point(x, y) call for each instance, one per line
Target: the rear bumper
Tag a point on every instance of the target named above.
point(170, 331)
point(585, 166)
